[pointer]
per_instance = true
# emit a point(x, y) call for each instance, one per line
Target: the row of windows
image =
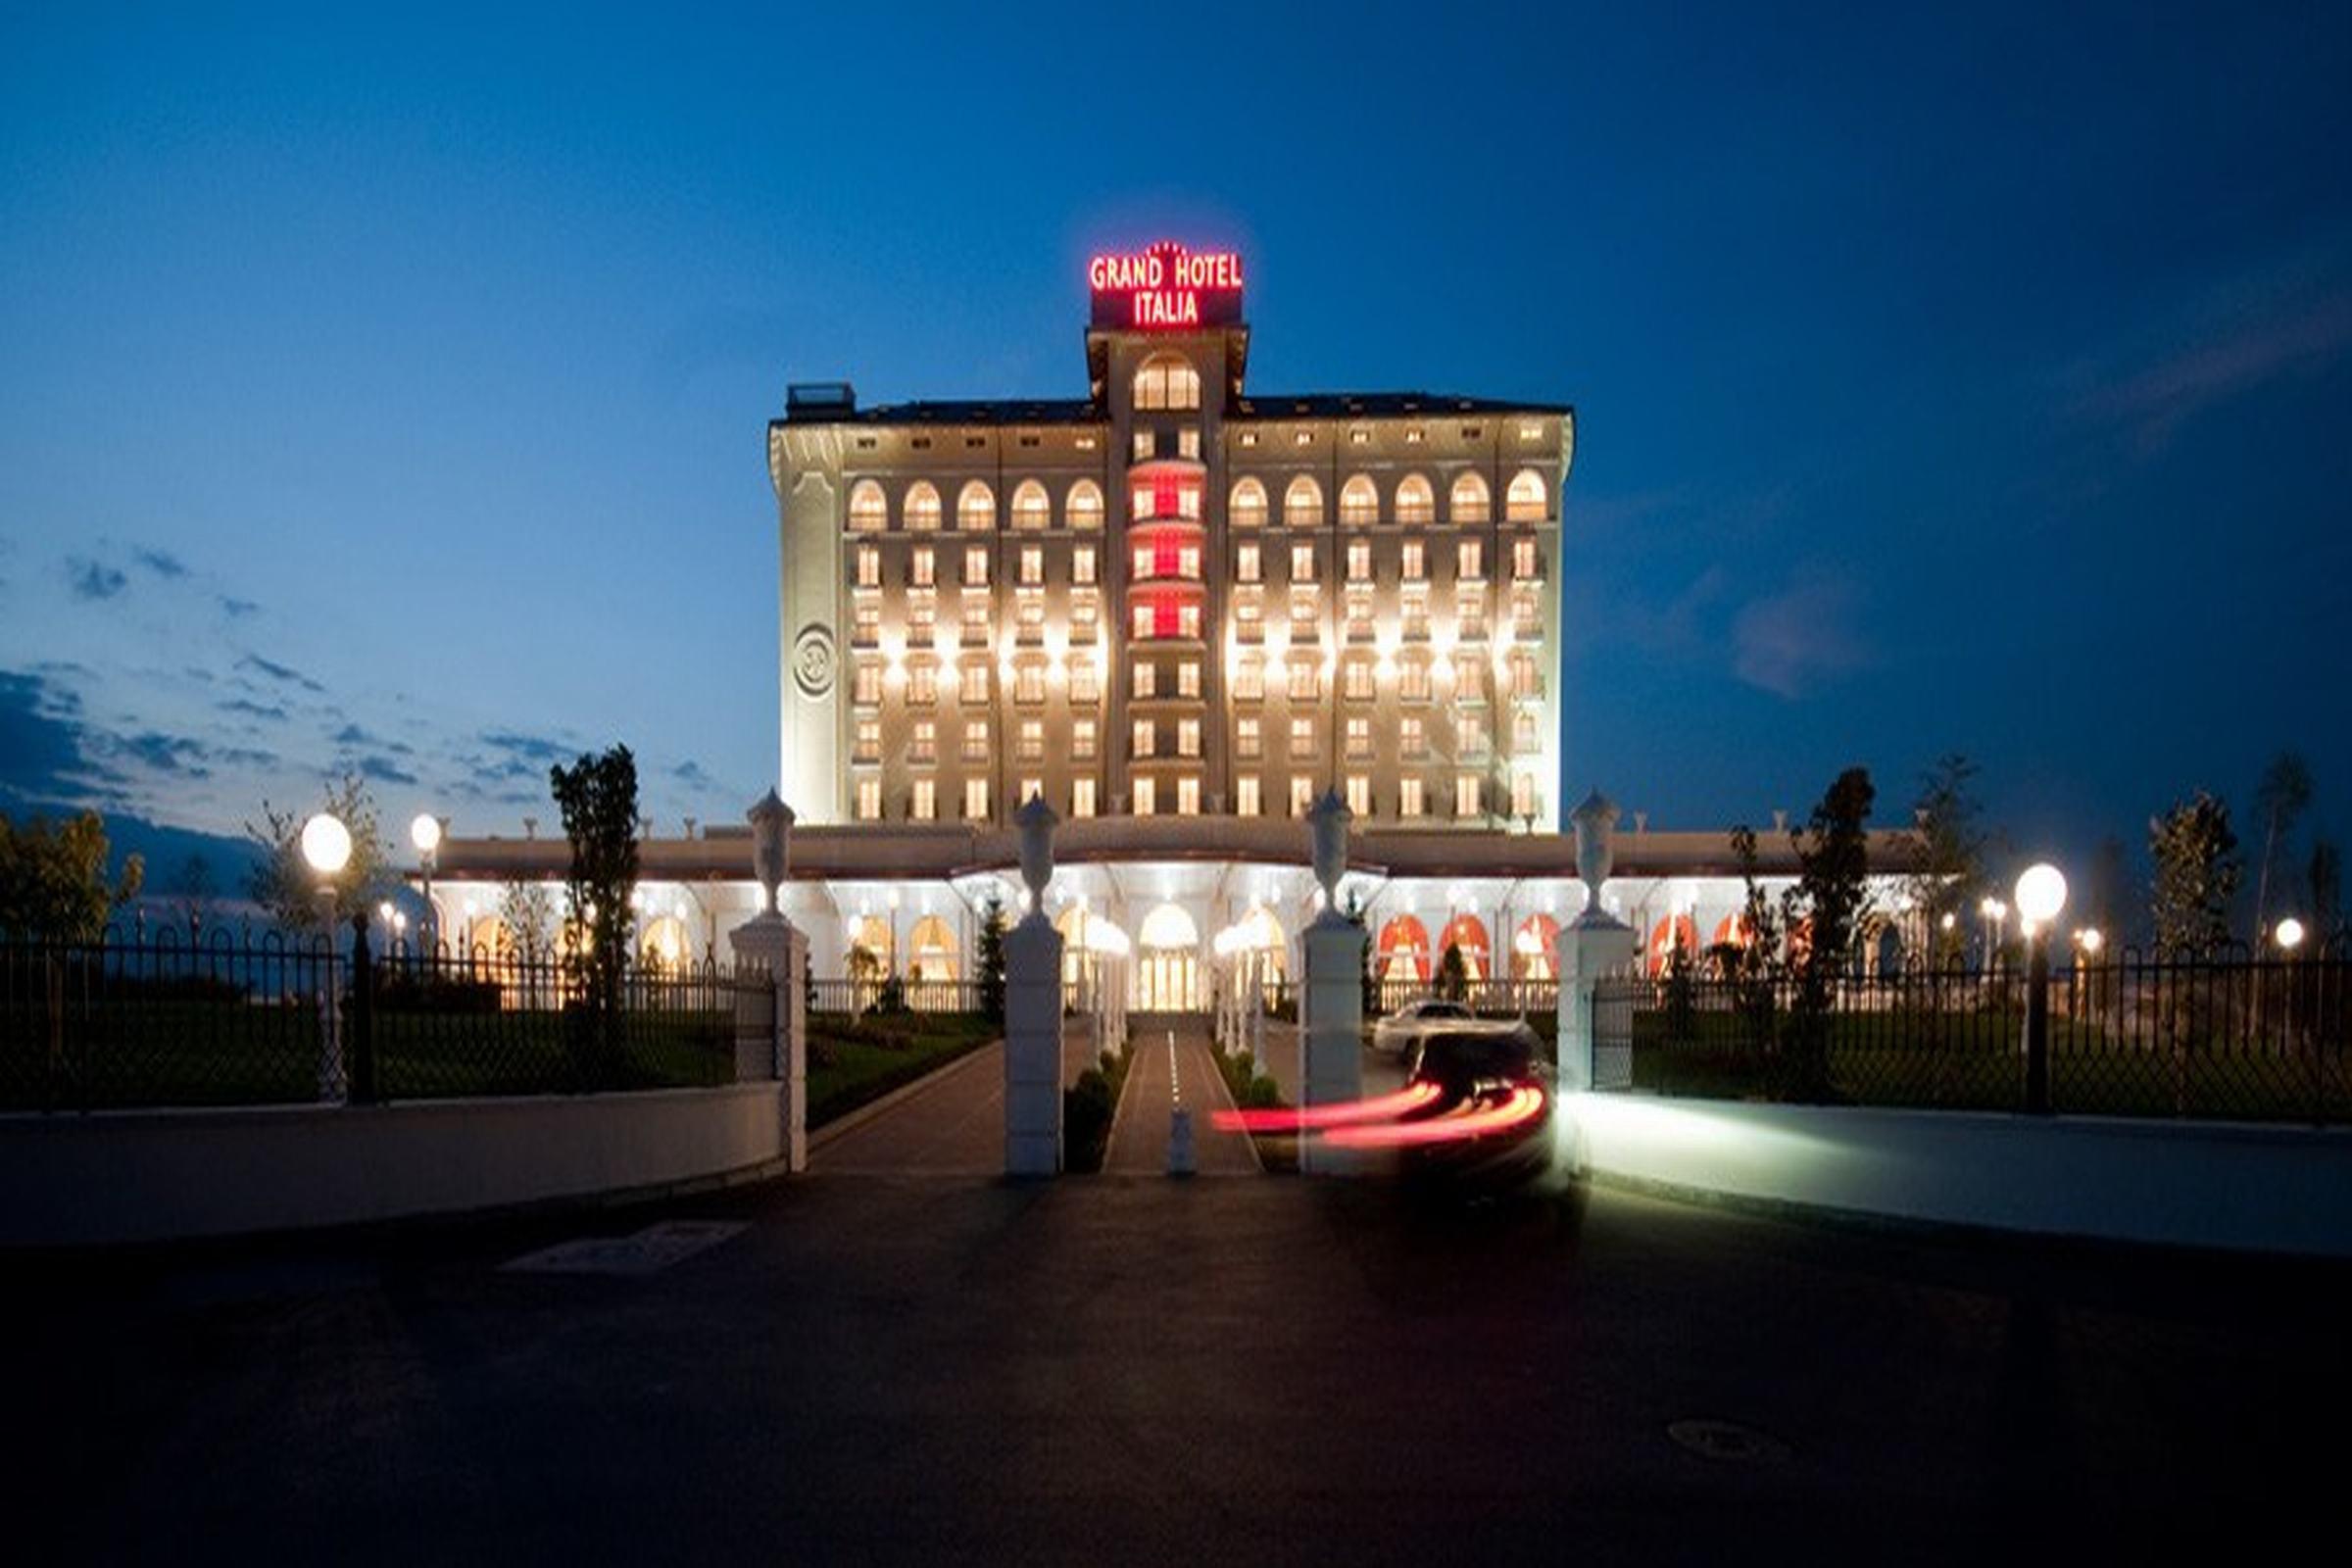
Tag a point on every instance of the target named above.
point(1470, 740)
point(922, 567)
point(1171, 558)
point(1412, 561)
point(1300, 679)
point(1527, 499)
point(1414, 799)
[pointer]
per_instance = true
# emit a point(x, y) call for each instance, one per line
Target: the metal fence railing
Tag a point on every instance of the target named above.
point(853, 996)
point(237, 1020)
point(2206, 1034)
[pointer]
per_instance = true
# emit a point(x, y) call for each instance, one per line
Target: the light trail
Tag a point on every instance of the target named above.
point(1338, 1114)
point(1520, 1106)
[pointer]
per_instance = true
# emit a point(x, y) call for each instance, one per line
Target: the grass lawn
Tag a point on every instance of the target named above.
point(853, 1063)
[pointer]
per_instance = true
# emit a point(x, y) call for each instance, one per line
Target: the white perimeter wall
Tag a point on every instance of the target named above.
point(2213, 1184)
point(151, 1175)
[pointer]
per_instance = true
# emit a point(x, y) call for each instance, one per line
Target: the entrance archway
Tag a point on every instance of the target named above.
point(1405, 950)
point(1167, 974)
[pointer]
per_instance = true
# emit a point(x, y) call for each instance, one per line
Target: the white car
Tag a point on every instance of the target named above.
point(1401, 1030)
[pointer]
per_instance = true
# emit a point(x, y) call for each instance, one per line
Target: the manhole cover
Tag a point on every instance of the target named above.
point(648, 1252)
point(1728, 1441)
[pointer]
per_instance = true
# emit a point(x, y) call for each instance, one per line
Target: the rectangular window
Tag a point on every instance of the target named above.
point(1033, 566)
point(975, 799)
point(1187, 621)
point(1306, 615)
point(924, 748)
point(1245, 794)
point(1188, 678)
point(1415, 611)
point(1303, 563)
point(1525, 565)
point(1188, 443)
point(975, 567)
point(1145, 444)
point(1082, 740)
point(926, 800)
point(1522, 795)
point(1359, 687)
point(1470, 617)
point(1188, 737)
point(865, 624)
point(1082, 566)
point(1029, 683)
point(1359, 737)
point(1083, 609)
point(975, 682)
point(923, 683)
point(1248, 737)
point(1359, 616)
point(976, 619)
point(1359, 560)
point(1188, 797)
point(1466, 796)
point(1470, 560)
point(1140, 627)
point(922, 616)
point(1413, 735)
point(1412, 680)
point(1470, 679)
point(1527, 615)
point(1246, 563)
point(1142, 738)
point(1414, 564)
point(1249, 682)
point(1187, 562)
point(1408, 798)
point(1032, 745)
point(867, 747)
point(1305, 681)
point(870, 566)
point(1248, 619)
point(865, 688)
point(1144, 680)
point(1359, 794)
point(1146, 563)
point(1302, 795)
point(925, 570)
point(1029, 615)
point(975, 740)
point(1082, 797)
point(1302, 737)
point(1525, 682)
point(1470, 737)
point(869, 800)
point(1147, 797)
point(1086, 681)
point(1029, 789)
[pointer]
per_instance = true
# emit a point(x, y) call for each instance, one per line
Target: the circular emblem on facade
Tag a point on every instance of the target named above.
point(812, 660)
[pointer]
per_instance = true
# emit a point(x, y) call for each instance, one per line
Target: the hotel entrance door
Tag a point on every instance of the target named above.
point(1165, 981)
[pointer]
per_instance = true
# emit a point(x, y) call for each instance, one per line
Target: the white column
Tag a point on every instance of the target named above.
point(1033, 1048)
point(771, 1030)
point(1332, 1028)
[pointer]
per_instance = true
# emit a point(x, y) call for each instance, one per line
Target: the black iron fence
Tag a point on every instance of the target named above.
point(2222, 1035)
point(855, 997)
point(232, 1019)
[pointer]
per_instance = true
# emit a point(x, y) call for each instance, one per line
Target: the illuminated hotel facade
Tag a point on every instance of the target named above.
point(1177, 609)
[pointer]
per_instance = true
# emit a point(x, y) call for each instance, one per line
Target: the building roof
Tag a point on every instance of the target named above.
point(953, 410)
point(1084, 411)
point(1375, 406)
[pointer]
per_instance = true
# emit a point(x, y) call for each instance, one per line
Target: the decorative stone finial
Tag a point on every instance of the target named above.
point(1037, 821)
point(1595, 820)
point(1327, 833)
point(771, 845)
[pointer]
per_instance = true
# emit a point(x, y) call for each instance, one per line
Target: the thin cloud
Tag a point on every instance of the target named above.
point(278, 672)
point(236, 608)
point(94, 580)
point(161, 563)
point(1790, 642)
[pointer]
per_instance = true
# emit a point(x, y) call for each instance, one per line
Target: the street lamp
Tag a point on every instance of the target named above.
point(2289, 934)
point(425, 833)
point(327, 845)
point(2089, 940)
point(2040, 895)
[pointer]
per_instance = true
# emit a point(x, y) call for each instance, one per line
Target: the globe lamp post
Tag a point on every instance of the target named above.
point(2040, 895)
point(326, 847)
point(425, 833)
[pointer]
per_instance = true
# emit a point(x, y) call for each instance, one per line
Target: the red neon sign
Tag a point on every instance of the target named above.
point(1166, 288)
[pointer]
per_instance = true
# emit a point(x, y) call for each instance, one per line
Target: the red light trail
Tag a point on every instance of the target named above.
point(1340, 1113)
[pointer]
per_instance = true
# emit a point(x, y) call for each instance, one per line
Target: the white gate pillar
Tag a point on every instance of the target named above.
point(771, 1026)
point(1033, 1011)
point(1331, 1021)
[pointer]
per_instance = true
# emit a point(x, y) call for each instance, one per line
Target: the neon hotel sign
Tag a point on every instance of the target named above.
point(1166, 287)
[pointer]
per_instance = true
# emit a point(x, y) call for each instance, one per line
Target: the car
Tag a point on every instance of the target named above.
point(1401, 1030)
point(1487, 1125)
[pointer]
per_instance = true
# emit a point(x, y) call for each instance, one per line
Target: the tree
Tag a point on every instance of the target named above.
point(528, 913)
point(1754, 962)
point(598, 797)
point(282, 882)
point(2278, 799)
point(1948, 854)
point(2323, 883)
point(196, 895)
point(991, 962)
point(53, 881)
point(1833, 890)
point(1454, 974)
point(2198, 871)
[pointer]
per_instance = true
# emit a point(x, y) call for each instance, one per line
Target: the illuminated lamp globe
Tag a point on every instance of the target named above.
point(2091, 940)
point(2290, 933)
point(2041, 893)
point(425, 833)
point(326, 843)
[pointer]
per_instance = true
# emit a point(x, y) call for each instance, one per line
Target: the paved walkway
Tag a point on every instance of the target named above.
point(1171, 1066)
point(950, 1124)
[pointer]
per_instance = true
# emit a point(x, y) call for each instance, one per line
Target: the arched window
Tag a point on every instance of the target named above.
point(976, 506)
point(1415, 502)
point(1030, 507)
point(1303, 504)
point(1469, 502)
point(1168, 381)
point(1085, 505)
point(1359, 503)
point(665, 945)
point(1247, 508)
point(868, 509)
point(1523, 732)
point(931, 951)
point(922, 507)
point(1524, 501)
point(1405, 950)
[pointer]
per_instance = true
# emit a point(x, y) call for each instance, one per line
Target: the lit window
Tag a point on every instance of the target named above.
point(976, 506)
point(1168, 381)
point(1470, 680)
point(868, 509)
point(976, 565)
point(1144, 738)
point(1525, 565)
point(1246, 509)
point(1413, 562)
point(1359, 616)
point(1303, 563)
point(1147, 563)
point(1188, 737)
point(1408, 797)
point(1029, 789)
point(1466, 794)
point(1142, 502)
point(865, 624)
point(1083, 612)
point(865, 685)
point(975, 799)
point(924, 748)
point(869, 800)
point(1414, 610)
point(1249, 619)
point(975, 740)
point(1140, 623)
point(1145, 444)
point(1522, 795)
point(1029, 683)
point(1469, 501)
point(1187, 621)
point(1359, 794)
point(923, 569)
point(1187, 562)
point(868, 742)
point(1031, 509)
point(1470, 615)
point(1527, 615)
point(1302, 737)
point(1358, 682)
point(1302, 795)
point(1306, 615)
point(1359, 437)
point(1303, 504)
point(922, 682)
point(1033, 564)
point(1525, 681)
point(926, 800)
point(1188, 797)
point(976, 619)
point(1305, 680)
point(1248, 438)
point(922, 507)
point(1245, 794)
point(1188, 443)
point(1245, 565)
point(1249, 682)
point(975, 681)
point(1524, 501)
point(1031, 743)
point(1144, 679)
point(1412, 736)
point(1086, 684)
point(1147, 797)
point(870, 566)
point(922, 615)
point(1412, 680)
point(1084, 508)
point(1082, 565)
point(1470, 560)
point(1302, 438)
point(1523, 731)
point(1082, 797)
point(1082, 740)
point(1415, 501)
point(1359, 737)
point(1359, 503)
point(1359, 560)
point(1188, 678)
point(1470, 737)
point(1248, 736)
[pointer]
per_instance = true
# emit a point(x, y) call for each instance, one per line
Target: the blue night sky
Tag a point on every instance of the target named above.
point(391, 393)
